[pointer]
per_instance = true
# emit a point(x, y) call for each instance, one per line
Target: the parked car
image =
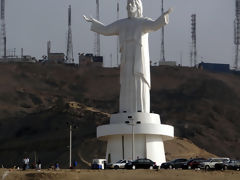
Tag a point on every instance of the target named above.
point(232, 165)
point(210, 163)
point(98, 164)
point(141, 164)
point(174, 164)
point(193, 163)
point(119, 164)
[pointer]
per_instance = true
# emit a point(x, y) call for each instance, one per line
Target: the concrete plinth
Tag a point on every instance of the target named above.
point(144, 128)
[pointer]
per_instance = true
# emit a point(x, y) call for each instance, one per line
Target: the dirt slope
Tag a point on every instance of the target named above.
point(203, 107)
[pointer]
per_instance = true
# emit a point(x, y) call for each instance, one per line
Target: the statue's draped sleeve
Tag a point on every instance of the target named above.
point(151, 25)
point(109, 30)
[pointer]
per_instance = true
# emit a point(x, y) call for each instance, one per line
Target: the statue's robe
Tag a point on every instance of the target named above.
point(135, 82)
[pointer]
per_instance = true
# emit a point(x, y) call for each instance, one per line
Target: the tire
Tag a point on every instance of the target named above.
point(151, 167)
point(207, 168)
point(133, 167)
point(116, 167)
point(170, 167)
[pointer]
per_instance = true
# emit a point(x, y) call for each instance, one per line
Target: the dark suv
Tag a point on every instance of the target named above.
point(232, 164)
point(174, 164)
point(193, 163)
point(141, 164)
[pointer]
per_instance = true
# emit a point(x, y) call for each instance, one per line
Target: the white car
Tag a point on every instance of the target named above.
point(210, 163)
point(119, 164)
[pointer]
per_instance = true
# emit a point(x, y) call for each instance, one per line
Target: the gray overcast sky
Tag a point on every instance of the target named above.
point(31, 23)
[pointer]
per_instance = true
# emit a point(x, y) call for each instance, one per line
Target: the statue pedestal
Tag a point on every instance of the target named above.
point(142, 131)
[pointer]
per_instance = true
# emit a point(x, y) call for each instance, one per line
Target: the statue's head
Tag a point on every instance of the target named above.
point(134, 8)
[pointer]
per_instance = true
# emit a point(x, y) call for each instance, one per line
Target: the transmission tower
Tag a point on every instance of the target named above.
point(69, 54)
point(193, 53)
point(97, 36)
point(3, 38)
point(162, 55)
point(117, 36)
point(237, 34)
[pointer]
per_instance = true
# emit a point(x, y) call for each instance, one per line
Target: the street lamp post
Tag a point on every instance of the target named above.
point(70, 147)
point(133, 137)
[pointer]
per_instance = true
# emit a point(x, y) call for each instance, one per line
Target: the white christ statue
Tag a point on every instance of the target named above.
point(133, 32)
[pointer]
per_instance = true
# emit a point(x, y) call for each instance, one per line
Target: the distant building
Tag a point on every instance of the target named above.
point(90, 60)
point(167, 63)
point(214, 67)
point(56, 57)
point(23, 59)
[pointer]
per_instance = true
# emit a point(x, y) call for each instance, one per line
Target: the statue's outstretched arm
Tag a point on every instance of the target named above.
point(168, 11)
point(100, 28)
point(151, 25)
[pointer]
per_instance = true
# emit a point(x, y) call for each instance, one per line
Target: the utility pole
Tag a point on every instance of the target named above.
point(70, 147)
point(162, 57)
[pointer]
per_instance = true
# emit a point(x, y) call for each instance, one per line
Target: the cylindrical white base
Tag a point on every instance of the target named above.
point(145, 146)
point(135, 135)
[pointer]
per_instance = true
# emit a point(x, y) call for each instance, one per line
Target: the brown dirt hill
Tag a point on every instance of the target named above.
point(202, 106)
point(46, 134)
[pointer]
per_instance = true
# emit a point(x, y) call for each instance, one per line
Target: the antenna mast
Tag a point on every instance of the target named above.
point(162, 55)
point(3, 40)
point(193, 53)
point(117, 36)
point(97, 36)
point(69, 54)
point(237, 34)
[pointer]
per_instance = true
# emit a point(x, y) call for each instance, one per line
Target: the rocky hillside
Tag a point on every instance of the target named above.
point(35, 109)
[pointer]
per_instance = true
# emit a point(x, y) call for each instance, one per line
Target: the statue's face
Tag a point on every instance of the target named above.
point(132, 8)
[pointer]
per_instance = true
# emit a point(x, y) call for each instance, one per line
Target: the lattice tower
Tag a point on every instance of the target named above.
point(69, 54)
point(118, 37)
point(193, 53)
point(162, 54)
point(3, 39)
point(97, 36)
point(237, 33)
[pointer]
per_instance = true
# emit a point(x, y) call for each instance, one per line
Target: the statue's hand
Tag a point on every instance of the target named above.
point(88, 19)
point(168, 11)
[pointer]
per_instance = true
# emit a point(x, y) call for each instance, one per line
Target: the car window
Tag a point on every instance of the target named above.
point(124, 161)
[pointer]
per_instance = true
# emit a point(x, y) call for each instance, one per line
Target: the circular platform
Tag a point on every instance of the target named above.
point(142, 123)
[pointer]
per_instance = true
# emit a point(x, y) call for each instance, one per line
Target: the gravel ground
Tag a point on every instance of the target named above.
point(8, 174)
